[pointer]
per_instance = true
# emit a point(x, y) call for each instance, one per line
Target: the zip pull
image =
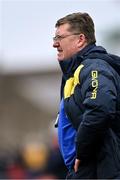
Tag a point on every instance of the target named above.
point(56, 121)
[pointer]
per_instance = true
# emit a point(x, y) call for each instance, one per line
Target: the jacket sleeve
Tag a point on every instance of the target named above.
point(99, 99)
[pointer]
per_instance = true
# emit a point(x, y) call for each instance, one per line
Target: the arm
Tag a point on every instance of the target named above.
point(99, 94)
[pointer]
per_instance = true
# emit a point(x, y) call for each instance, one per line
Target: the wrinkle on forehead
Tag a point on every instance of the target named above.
point(62, 29)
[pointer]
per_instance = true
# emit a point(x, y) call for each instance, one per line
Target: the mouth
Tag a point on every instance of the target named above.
point(59, 50)
point(60, 54)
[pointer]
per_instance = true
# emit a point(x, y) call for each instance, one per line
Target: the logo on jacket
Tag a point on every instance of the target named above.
point(94, 75)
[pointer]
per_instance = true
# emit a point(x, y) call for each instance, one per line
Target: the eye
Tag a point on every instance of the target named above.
point(57, 38)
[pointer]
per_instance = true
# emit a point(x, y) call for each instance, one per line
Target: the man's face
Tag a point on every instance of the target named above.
point(66, 42)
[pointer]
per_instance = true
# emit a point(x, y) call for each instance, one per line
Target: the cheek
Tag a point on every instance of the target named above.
point(71, 49)
point(68, 48)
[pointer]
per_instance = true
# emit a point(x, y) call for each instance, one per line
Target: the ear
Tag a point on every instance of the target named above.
point(82, 41)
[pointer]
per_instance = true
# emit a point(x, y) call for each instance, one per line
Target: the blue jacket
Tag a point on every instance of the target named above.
point(66, 137)
point(91, 92)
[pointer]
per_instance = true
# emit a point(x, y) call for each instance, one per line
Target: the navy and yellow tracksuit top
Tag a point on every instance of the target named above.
point(89, 121)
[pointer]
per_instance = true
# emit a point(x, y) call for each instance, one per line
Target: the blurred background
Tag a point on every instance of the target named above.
point(30, 80)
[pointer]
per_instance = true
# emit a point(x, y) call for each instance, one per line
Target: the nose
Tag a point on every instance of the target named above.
point(56, 44)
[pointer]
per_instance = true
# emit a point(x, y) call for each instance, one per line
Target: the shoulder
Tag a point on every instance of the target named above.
point(98, 64)
point(103, 69)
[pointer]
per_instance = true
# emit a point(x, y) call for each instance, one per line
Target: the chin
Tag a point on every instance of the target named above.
point(60, 58)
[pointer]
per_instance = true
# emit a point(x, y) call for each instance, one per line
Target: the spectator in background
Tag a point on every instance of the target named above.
point(89, 115)
point(35, 158)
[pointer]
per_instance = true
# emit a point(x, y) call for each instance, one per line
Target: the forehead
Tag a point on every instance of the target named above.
point(62, 28)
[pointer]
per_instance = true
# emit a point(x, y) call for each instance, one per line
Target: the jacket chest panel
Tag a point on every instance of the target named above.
point(72, 82)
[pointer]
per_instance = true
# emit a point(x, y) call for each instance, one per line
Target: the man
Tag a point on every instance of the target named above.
point(89, 114)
